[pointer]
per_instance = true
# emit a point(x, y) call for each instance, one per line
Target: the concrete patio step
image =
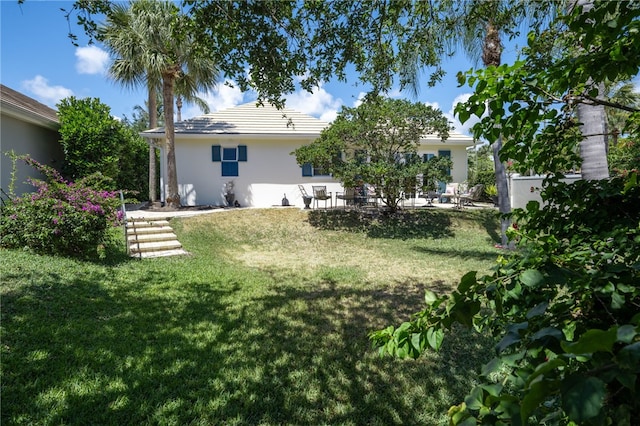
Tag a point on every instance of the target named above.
point(152, 238)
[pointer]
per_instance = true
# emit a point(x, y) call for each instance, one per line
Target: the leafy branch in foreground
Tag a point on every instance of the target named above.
point(564, 310)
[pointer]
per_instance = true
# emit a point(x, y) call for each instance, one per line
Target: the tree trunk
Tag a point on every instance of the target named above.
point(173, 196)
point(593, 148)
point(502, 185)
point(153, 123)
point(593, 125)
point(491, 56)
point(179, 107)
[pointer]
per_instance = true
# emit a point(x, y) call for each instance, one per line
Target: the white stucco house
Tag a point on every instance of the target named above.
point(252, 146)
point(27, 127)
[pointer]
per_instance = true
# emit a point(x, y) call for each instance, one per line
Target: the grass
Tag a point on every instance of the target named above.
point(265, 322)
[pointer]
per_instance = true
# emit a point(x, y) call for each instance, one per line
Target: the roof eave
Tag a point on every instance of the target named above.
point(28, 116)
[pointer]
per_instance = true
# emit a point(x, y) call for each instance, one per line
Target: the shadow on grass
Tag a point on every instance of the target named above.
point(380, 224)
point(490, 254)
point(81, 351)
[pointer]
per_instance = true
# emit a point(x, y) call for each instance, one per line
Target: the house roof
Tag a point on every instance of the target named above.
point(266, 121)
point(20, 106)
point(247, 119)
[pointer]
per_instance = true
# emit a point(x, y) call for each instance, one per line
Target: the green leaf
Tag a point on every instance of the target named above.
point(415, 341)
point(531, 278)
point(474, 399)
point(545, 367)
point(626, 333)
point(512, 337)
point(582, 397)
point(547, 332)
point(467, 281)
point(592, 341)
point(430, 297)
point(493, 390)
point(491, 367)
point(537, 310)
point(537, 393)
point(435, 336)
point(629, 357)
point(617, 300)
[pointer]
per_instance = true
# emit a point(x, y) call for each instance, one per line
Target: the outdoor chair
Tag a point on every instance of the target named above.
point(373, 195)
point(348, 195)
point(306, 198)
point(430, 196)
point(320, 194)
point(450, 193)
point(474, 194)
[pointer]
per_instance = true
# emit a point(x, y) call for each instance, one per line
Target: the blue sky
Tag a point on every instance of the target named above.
point(38, 59)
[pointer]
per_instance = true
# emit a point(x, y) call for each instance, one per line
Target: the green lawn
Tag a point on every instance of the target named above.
point(265, 322)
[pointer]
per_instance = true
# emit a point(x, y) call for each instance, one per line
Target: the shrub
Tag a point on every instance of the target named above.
point(61, 217)
point(564, 309)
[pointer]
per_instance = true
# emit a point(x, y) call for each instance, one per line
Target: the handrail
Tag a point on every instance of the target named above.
point(124, 221)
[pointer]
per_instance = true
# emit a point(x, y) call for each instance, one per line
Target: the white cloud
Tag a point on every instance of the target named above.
point(433, 105)
point(222, 97)
point(91, 60)
point(320, 104)
point(49, 95)
point(465, 128)
point(359, 99)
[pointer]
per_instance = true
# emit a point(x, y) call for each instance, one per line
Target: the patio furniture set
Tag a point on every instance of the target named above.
point(370, 197)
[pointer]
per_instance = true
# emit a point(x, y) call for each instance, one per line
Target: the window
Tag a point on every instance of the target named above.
point(229, 157)
point(309, 170)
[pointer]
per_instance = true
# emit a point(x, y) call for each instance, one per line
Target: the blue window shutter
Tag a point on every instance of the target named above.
point(229, 168)
point(242, 153)
point(215, 153)
point(307, 169)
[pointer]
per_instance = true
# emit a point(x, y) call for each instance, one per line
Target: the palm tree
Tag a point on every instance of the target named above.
point(593, 123)
point(620, 93)
point(151, 44)
point(483, 21)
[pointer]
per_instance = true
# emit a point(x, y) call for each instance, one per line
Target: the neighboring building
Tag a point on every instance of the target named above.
point(252, 146)
point(26, 127)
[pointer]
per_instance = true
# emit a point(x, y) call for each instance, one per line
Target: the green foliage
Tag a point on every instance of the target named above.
point(533, 101)
point(563, 309)
point(133, 163)
point(480, 166)
point(90, 138)
point(95, 142)
point(624, 157)
point(377, 143)
point(60, 217)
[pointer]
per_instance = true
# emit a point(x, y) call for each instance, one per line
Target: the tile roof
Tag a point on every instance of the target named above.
point(248, 119)
point(19, 105)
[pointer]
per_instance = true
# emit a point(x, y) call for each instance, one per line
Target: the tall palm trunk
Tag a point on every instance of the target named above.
point(491, 56)
point(179, 108)
point(593, 148)
point(152, 107)
point(168, 82)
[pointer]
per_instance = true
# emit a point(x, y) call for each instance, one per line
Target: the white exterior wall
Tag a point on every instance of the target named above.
point(523, 189)
point(42, 144)
point(458, 157)
point(269, 173)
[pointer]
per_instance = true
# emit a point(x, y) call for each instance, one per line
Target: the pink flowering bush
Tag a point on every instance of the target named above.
point(60, 217)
